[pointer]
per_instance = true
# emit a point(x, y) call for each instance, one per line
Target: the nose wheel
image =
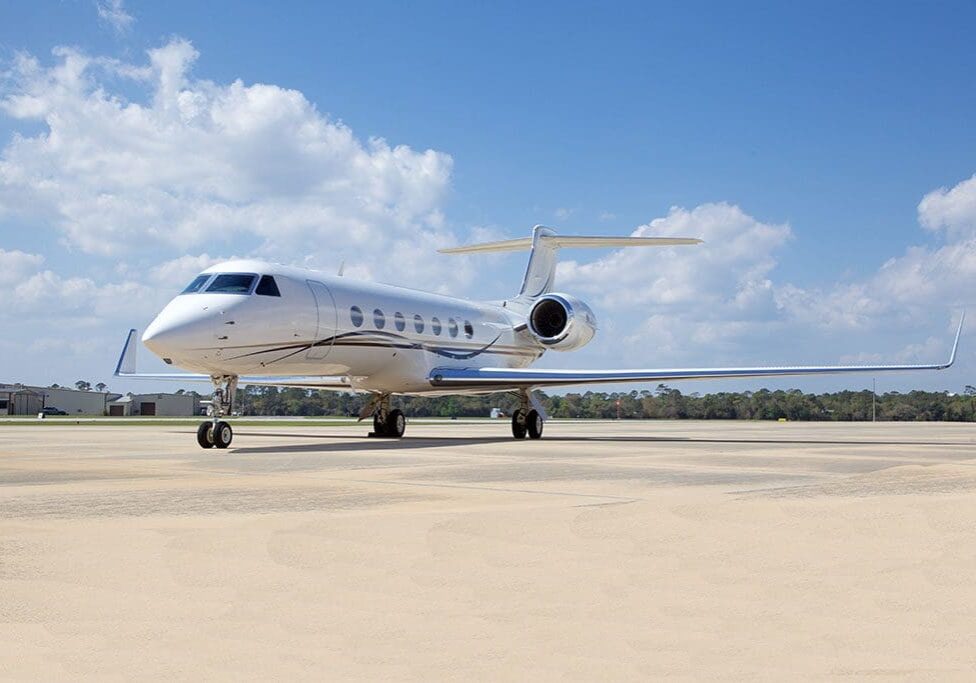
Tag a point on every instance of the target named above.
point(217, 433)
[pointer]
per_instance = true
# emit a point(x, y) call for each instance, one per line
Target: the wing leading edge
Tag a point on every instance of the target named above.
point(500, 378)
point(126, 367)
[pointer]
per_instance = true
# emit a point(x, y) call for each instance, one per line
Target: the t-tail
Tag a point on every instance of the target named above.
point(544, 246)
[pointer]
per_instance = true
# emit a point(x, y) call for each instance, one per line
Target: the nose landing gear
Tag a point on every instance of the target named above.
point(217, 433)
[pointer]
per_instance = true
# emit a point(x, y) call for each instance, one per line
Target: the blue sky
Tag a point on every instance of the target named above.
point(834, 119)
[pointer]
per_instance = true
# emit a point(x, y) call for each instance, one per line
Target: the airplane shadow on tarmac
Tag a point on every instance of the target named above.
point(342, 443)
point(339, 444)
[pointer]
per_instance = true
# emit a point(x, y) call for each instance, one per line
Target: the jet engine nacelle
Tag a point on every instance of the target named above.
point(561, 322)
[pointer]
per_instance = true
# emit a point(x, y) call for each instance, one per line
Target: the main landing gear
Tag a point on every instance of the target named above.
point(388, 422)
point(526, 420)
point(217, 433)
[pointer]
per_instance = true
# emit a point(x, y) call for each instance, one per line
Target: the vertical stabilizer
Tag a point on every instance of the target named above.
point(541, 271)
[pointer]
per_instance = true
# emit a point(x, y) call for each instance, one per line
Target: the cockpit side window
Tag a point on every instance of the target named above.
point(232, 283)
point(267, 286)
point(198, 282)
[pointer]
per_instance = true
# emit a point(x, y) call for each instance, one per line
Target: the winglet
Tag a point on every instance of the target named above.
point(955, 344)
point(127, 360)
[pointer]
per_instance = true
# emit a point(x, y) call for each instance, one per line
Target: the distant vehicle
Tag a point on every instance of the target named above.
point(51, 410)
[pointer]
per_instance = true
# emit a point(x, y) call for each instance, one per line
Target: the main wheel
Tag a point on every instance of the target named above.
point(379, 427)
point(518, 424)
point(222, 435)
point(396, 423)
point(205, 435)
point(534, 424)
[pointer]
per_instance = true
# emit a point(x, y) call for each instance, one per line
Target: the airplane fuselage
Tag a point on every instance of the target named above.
point(381, 337)
point(254, 322)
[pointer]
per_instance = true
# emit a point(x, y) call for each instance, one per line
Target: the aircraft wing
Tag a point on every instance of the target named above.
point(506, 378)
point(126, 367)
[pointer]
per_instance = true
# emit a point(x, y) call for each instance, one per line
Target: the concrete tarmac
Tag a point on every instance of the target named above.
point(607, 550)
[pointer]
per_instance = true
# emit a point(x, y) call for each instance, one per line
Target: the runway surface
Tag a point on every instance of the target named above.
point(607, 550)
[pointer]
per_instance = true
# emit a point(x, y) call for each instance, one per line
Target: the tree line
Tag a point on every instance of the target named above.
point(662, 403)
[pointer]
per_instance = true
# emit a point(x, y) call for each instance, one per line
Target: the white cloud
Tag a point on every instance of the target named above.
point(729, 270)
point(256, 166)
point(694, 304)
point(46, 295)
point(179, 271)
point(114, 14)
point(140, 171)
point(15, 265)
point(917, 288)
point(952, 210)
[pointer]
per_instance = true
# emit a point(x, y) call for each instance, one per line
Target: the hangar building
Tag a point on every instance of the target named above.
point(145, 405)
point(21, 399)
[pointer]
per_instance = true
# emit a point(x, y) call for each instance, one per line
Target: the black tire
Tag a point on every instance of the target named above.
point(223, 435)
point(379, 427)
point(205, 435)
point(396, 423)
point(518, 424)
point(534, 423)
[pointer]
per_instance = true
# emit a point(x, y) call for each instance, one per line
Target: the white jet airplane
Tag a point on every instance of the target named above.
point(251, 322)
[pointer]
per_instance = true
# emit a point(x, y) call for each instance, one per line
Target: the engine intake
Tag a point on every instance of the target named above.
point(561, 322)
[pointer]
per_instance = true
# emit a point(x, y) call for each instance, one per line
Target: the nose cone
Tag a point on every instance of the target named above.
point(181, 326)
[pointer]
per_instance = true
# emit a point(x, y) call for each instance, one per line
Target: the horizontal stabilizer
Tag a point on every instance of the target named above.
point(520, 244)
point(545, 244)
point(578, 241)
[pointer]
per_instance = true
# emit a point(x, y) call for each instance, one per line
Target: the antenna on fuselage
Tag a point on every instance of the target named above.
point(342, 267)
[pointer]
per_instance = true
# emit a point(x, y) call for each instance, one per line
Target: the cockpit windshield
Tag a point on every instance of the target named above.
point(198, 282)
point(232, 283)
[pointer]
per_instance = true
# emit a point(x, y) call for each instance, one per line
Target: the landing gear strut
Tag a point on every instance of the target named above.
point(388, 422)
point(217, 433)
point(527, 420)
